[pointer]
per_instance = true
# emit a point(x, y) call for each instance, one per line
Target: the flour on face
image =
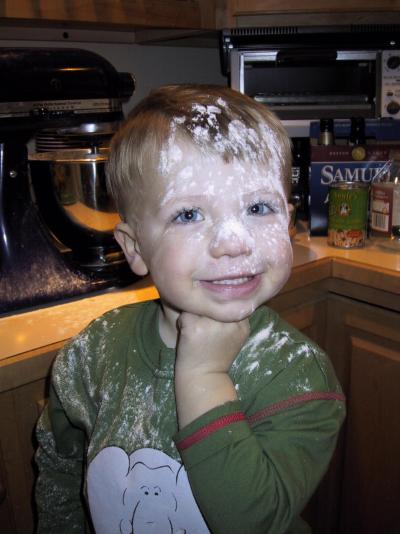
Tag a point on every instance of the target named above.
point(217, 215)
point(233, 228)
point(240, 141)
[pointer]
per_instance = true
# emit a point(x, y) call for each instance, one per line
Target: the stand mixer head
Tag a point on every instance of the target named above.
point(43, 257)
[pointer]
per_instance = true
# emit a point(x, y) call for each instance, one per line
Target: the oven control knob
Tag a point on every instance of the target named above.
point(393, 62)
point(393, 107)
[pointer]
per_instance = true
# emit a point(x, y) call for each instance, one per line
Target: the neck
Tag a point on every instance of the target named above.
point(167, 325)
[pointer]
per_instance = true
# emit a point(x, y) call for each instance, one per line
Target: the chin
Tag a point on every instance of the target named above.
point(233, 313)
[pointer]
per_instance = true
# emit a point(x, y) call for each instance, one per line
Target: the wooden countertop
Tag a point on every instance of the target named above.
point(30, 330)
point(373, 266)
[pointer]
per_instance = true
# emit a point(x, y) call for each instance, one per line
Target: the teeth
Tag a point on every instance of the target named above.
point(232, 282)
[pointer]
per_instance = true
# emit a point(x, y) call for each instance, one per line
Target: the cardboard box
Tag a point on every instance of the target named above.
point(343, 163)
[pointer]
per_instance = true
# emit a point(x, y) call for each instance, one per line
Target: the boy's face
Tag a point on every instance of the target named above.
point(214, 236)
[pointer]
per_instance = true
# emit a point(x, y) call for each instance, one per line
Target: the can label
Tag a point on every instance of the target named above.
point(385, 208)
point(348, 210)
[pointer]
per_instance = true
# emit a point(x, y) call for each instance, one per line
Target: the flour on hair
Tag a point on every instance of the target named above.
point(240, 141)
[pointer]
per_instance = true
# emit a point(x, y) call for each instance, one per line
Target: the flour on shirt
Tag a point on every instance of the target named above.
point(109, 383)
point(266, 351)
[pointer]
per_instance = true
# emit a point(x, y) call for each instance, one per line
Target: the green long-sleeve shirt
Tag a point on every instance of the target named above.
point(110, 448)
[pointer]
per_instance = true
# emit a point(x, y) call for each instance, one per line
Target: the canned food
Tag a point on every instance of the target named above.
point(348, 211)
point(385, 208)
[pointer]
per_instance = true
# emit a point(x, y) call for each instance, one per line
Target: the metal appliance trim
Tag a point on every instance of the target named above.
point(317, 107)
point(27, 109)
point(271, 55)
point(354, 55)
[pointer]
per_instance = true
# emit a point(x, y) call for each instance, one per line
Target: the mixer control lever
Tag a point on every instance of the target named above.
point(40, 112)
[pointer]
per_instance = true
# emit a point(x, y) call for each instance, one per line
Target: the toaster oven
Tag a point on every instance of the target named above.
point(313, 72)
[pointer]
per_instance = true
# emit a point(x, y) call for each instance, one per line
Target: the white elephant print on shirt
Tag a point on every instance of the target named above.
point(150, 508)
point(144, 493)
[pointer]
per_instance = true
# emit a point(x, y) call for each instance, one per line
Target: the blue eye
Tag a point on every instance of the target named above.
point(188, 216)
point(260, 208)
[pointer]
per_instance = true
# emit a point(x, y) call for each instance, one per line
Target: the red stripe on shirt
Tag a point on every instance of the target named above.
point(272, 409)
point(205, 431)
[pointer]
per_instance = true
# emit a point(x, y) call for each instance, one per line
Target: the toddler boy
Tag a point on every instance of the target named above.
point(203, 411)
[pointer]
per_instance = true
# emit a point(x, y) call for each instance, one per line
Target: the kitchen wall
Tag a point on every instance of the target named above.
point(151, 65)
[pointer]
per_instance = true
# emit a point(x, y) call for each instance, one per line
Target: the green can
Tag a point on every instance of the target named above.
point(348, 214)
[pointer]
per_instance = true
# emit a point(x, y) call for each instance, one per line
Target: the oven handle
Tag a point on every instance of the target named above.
point(305, 56)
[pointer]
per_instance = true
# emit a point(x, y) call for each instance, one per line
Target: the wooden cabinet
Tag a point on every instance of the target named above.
point(309, 6)
point(6, 513)
point(20, 404)
point(19, 413)
point(360, 493)
point(199, 15)
point(364, 344)
point(308, 12)
point(125, 14)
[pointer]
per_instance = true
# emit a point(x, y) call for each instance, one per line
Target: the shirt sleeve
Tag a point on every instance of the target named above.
point(66, 426)
point(61, 449)
point(253, 466)
point(60, 463)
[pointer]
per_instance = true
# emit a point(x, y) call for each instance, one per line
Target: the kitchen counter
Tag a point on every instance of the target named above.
point(372, 266)
point(374, 255)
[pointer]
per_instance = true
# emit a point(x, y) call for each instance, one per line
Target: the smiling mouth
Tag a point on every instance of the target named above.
point(233, 281)
point(228, 288)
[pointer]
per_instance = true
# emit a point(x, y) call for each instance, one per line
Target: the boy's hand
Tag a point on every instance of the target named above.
point(205, 345)
point(206, 350)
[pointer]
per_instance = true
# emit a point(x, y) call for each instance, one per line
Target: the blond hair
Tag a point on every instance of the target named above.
point(215, 119)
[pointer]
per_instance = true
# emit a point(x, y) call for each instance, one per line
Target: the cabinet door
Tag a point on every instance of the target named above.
point(19, 413)
point(307, 6)
point(364, 343)
point(307, 313)
point(284, 13)
point(6, 514)
point(23, 388)
point(196, 14)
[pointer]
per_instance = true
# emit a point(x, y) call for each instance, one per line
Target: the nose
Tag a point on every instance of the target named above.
point(231, 239)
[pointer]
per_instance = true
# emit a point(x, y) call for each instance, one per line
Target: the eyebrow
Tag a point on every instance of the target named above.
point(184, 199)
point(196, 198)
point(263, 191)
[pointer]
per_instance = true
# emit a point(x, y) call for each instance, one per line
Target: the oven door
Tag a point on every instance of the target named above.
point(308, 83)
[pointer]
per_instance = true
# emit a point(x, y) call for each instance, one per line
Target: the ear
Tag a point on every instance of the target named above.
point(126, 239)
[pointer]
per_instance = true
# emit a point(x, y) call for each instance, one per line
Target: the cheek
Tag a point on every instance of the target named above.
point(275, 241)
point(284, 256)
point(171, 259)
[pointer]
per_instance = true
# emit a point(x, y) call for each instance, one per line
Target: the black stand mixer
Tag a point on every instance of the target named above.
point(50, 249)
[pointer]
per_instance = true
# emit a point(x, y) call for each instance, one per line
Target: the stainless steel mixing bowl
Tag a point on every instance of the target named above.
point(70, 190)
